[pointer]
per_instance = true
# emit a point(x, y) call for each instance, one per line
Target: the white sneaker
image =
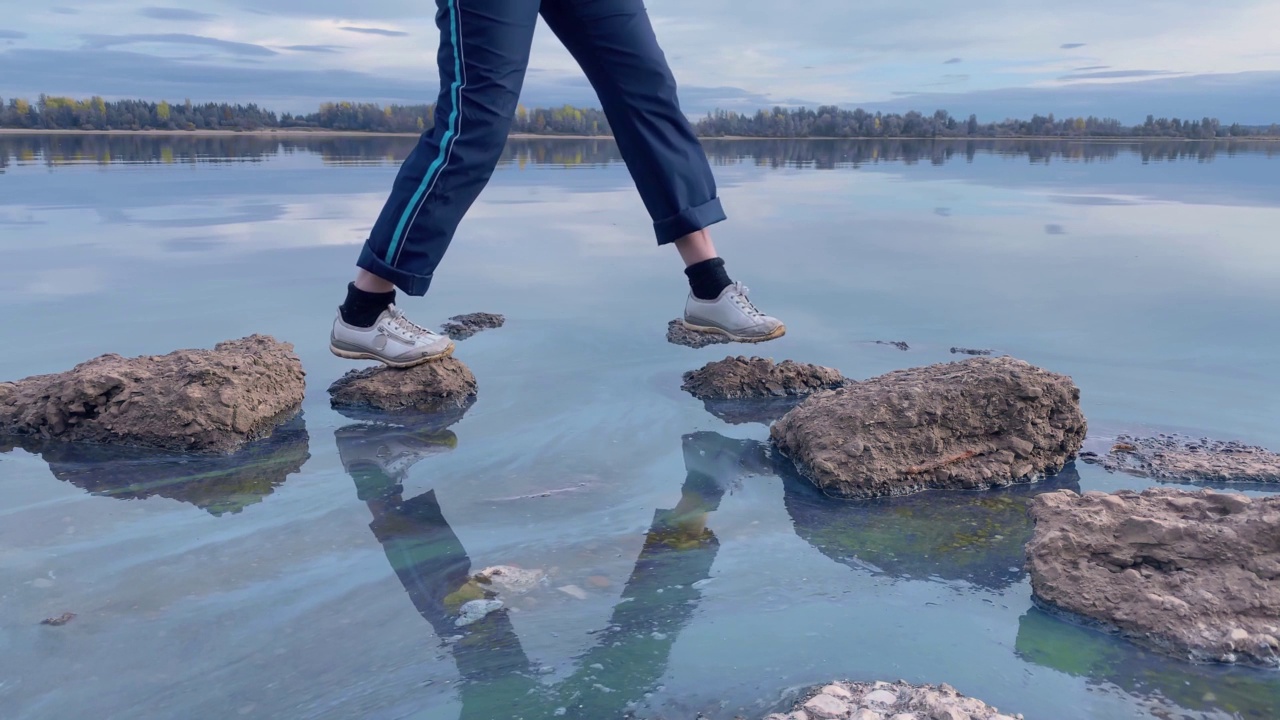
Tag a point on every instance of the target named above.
point(393, 340)
point(732, 314)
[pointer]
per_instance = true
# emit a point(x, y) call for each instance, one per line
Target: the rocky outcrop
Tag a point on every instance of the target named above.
point(736, 378)
point(217, 484)
point(678, 334)
point(1196, 575)
point(189, 400)
point(434, 387)
point(890, 701)
point(976, 424)
point(1180, 458)
point(461, 327)
point(970, 351)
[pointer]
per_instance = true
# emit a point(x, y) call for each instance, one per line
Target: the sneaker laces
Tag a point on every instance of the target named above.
point(412, 330)
point(739, 298)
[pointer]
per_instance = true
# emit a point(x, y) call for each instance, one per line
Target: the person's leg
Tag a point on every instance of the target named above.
point(484, 51)
point(614, 43)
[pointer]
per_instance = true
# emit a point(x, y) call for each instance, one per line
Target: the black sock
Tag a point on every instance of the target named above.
point(363, 308)
point(708, 279)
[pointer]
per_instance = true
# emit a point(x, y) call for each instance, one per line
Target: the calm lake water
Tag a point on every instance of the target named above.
point(685, 572)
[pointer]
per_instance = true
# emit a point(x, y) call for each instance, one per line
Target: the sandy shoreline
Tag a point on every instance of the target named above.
point(298, 132)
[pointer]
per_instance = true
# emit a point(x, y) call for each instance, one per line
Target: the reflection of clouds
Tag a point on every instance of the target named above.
point(62, 282)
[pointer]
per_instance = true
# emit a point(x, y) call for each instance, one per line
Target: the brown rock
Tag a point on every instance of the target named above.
point(189, 400)
point(461, 327)
point(60, 620)
point(432, 387)
point(677, 334)
point(1194, 574)
point(740, 377)
point(976, 424)
point(900, 700)
point(1181, 458)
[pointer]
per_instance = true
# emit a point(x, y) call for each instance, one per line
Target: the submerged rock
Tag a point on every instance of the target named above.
point(1196, 574)
point(895, 343)
point(217, 484)
point(1160, 686)
point(433, 387)
point(969, 351)
point(890, 701)
point(461, 327)
point(976, 424)
point(1185, 459)
point(975, 538)
point(736, 378)
point(678, 334)
point(189, 400)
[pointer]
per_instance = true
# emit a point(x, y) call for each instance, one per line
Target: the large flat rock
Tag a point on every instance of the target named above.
point(1179, 458)
point(976, 424)
point(189, 400)
point(1196, 574)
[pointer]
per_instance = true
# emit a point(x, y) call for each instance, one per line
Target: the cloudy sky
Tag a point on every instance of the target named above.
point(994, 57)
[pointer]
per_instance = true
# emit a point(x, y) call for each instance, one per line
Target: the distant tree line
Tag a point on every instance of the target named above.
point(61, 113)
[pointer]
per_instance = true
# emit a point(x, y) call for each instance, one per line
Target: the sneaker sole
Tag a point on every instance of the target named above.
point(360, 355)
point(777, 333)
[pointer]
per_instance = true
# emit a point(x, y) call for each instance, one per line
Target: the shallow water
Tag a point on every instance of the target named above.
point(319, 575)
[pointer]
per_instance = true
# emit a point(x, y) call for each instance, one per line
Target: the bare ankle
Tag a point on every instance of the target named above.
point(371, 283)
point(696, 247)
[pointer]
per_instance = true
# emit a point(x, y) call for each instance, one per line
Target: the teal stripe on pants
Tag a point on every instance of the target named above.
point(437, 165)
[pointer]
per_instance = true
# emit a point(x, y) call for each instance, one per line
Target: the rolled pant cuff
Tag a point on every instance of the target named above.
point(408, 282)
point(687, 221)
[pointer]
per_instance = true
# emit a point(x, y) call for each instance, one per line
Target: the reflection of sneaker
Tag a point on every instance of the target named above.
point(391, 448)
point(724, 461)
point(732, 314)
point(393, 340)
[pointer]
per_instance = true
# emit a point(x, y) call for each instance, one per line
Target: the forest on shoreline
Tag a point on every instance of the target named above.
point(97, 114)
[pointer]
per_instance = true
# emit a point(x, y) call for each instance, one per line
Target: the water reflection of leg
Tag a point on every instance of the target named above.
point(662, 593)
point(432, 564)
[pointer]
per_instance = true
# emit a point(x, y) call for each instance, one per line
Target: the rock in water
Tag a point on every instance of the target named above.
point(976, 424)
point(890, 701)
point(1185, 459)
point(432, 387)
point(677, 334)
point(461, 327)
point(1196, 574)
point(740, 377)
point(189, 400)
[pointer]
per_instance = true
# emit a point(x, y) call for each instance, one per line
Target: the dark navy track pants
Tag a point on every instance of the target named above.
point(484, 51)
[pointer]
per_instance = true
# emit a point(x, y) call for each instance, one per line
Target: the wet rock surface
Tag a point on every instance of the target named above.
point(677, 334)
point(461, 327)
point(1185, 459)
point(212, 401)
point(434, 387)
point(1194, 574)
point(217, 484)
point(890, 701)
point(975, 424)
point(736, 378)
